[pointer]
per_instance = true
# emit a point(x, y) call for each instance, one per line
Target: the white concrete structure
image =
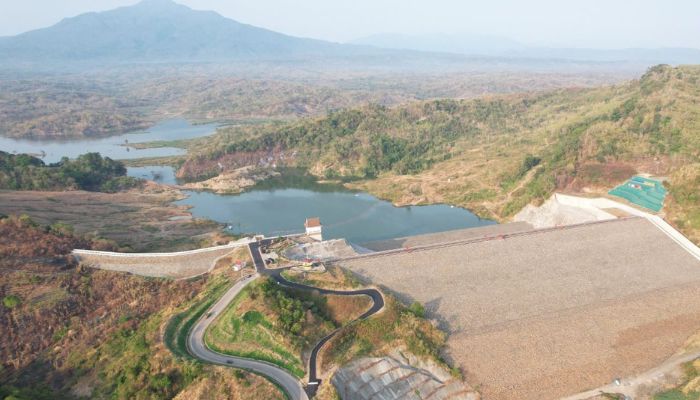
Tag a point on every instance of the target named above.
point(177, 265)
point(314, 228)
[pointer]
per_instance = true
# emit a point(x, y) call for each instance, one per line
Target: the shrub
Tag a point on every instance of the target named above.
point(11, 301)
point(417, 309)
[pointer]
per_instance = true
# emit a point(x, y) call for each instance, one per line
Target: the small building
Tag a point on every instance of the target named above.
point(238, 265)
point(314, 228)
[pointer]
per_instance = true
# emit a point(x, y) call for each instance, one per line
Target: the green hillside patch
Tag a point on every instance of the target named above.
point(268, 323)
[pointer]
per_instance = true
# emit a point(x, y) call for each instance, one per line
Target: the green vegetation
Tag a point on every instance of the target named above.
point(129, 370)
point(417, 309)
point(269, 323)
point(397, 327)
point(494, 154)
point(676, 394)
point(8, 392)
point(684, 207)
point(177, 329)
point(11, 301)
point(89, 172)
point(76, 329)
point(116, 102)
point(689, 389)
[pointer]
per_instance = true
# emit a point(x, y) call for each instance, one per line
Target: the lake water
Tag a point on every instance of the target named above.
point(358, 217)
point(160, 174)
point(113, 146)
point(275, 207)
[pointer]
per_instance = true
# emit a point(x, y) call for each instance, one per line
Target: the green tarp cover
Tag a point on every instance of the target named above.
point(645, 192)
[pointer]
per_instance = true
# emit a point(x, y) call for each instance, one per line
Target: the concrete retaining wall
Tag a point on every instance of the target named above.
point(178, 265)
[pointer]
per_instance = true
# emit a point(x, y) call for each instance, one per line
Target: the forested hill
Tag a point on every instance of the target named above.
point(493, 154)
point(89, 171)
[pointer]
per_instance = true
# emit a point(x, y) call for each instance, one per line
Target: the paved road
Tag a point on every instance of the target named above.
point(290, 384)
point(276, 275)
point(196, 346)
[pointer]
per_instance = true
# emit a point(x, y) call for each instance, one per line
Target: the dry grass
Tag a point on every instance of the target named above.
point(333, 278)
point(224, 384)
point(239, 254)
point(138, 220)
point(343, 309)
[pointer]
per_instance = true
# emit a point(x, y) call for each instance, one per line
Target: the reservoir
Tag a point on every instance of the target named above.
point(275, 207)
point(356, 216)
point(280, 206)
point(115, 147)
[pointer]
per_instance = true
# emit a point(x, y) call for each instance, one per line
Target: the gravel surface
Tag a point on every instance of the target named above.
point(551, 314)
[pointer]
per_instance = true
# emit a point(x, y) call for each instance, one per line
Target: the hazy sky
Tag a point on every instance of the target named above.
point(581, 23)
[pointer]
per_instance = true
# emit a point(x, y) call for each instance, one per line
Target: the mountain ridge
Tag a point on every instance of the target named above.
point(163, 31)
point(497, 46)
point(160, 30)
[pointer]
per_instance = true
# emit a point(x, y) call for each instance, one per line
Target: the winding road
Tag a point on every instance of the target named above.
point(291, 385)
point(196, 346)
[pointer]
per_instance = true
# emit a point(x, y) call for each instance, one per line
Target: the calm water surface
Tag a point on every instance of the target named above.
point(160, 174)
point(275, 207)
point(358, 217)
point(113, 146)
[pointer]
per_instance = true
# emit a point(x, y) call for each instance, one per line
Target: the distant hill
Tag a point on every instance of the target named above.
point(161, 30)
point(495, 46)
point(484, 45)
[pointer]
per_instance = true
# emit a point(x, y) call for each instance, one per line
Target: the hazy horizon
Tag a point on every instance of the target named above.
point(594, 24)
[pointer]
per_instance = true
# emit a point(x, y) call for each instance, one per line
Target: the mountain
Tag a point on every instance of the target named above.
point(160, 30)
point(496, 46)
